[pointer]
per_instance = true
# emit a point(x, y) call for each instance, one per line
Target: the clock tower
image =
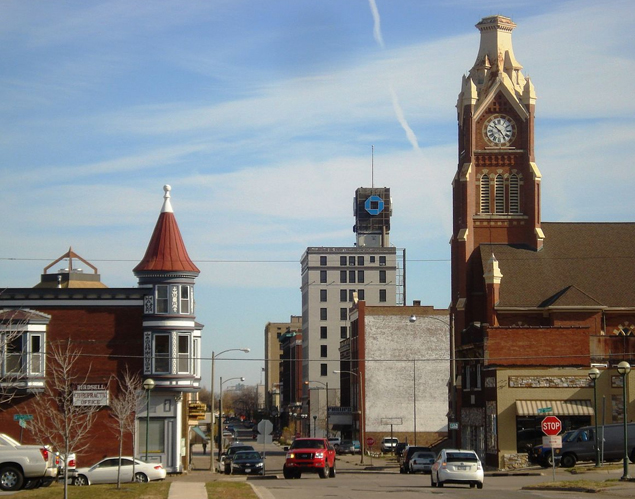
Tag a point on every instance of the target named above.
point(496, 188)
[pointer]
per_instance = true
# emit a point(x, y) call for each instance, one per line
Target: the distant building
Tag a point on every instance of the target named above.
point(273, 359)
point(331, 276)
point(149, 329)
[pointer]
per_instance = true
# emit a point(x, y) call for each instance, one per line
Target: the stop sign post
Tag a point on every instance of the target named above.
point(551, 425)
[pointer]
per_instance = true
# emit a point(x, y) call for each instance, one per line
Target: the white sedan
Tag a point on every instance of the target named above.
point(457, 466)
point(105, 471)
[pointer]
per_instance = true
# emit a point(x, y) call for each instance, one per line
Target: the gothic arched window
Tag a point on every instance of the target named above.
point(499, 196)
point(485, 194)
point(514, 194)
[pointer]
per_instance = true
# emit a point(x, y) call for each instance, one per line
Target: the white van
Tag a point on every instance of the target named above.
point(580, 446)
point(389, 444)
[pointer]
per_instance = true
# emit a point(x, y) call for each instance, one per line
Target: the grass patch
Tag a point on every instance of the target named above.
point(574, 485)
point(152, 490)
point(230, 490)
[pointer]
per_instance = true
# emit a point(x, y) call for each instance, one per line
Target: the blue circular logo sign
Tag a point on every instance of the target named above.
point(374, 205)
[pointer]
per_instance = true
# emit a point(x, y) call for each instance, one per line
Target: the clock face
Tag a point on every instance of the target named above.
point(499, 129)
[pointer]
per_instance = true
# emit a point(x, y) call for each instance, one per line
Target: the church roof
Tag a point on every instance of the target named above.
point(166, 251)
point(581, 265)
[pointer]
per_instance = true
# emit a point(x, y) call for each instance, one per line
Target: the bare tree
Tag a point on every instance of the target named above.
point(56, 419)
point(12, 326)
point(124, 407)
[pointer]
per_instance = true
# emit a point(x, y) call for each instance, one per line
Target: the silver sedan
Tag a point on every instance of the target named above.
point(105, 471)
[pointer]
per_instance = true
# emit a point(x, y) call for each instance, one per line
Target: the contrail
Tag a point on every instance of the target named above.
point(377, 27)
point(401, 117)
point(412, 138)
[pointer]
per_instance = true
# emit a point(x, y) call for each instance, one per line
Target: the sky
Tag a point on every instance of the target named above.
point(262, 117)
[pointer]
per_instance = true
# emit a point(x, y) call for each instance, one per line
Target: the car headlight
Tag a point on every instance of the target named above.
point(319, 455)
point(291, 455)
point(259, 465)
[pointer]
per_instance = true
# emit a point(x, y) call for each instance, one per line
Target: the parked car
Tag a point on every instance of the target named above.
point(406, 455)
point(309, 455)
point(457, 466)
point(400, 448)
point(25, 466)
point(226, 458)
point(247, 463)
point(105, 471)
point(580, 445)
point(421, 462)
point(348, 447)
point(389, 444)
point(334, 441)
point(528, 438)
point(542, 455)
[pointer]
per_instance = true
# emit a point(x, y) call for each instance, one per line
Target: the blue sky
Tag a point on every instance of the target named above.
point(261, 116)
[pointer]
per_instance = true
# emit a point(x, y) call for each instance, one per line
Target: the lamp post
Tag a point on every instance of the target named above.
point(211, 416)
point(362, 430)
point(148, 385)
point(594, 374)
point(624, 368)
point(326, 387)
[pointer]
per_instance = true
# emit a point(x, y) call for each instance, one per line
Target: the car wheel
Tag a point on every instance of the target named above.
point(32, 484)
point(332, 472)
point(324, 472)
point(479, 485)
point(141, 477)
point(287, 473)
point(298, 474)
point(80, 481)
point(11, 478)
point(568, 461)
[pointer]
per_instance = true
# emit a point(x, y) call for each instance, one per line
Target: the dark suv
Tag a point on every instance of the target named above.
point(404, 461)
point(309, 455)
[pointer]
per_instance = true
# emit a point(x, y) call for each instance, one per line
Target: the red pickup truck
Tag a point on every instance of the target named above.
point(309, 455)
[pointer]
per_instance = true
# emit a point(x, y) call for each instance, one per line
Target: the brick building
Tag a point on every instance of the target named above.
point(534, 303)
point(149, 329)
point(394, 374)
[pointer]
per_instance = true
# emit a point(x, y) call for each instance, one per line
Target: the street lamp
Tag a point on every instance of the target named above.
point(362, 431)
point(148, 385)
point(326, 387)
point(624, 368)
point(211, 418)
point(594, 374)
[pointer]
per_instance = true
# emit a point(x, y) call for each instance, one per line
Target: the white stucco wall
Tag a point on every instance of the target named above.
point(394, 348)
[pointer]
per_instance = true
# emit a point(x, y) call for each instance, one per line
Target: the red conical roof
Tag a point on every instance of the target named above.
point(166, 251)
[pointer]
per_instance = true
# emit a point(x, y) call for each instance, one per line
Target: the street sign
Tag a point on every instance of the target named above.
point(370, 441)
point(265, 427)
point(454, 425)
point(544, 410)
point(551, 425)
point(22, 417)
point(552, 442)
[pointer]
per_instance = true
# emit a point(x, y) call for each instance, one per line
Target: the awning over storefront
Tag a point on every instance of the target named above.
point(200, 432)
point(558, 407)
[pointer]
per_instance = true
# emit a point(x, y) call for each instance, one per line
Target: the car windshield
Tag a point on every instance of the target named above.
point(307, 444)
point(453, 457)
point(246, 456)
point(233, 450)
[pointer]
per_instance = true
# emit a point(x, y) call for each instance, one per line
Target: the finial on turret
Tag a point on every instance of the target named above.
point(167, 206)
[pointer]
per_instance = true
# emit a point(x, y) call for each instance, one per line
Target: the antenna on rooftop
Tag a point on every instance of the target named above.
point(372, 166)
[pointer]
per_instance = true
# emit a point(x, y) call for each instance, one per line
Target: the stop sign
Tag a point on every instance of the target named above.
point(370, 441)
point(551, 425)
